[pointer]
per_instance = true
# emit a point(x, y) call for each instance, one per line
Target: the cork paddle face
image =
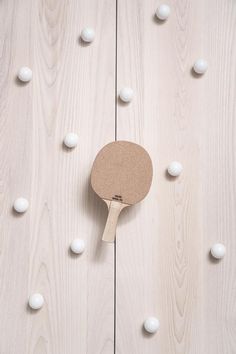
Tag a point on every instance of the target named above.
point(122, 171)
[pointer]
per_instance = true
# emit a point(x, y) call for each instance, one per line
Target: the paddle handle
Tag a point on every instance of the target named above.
point(114, 209)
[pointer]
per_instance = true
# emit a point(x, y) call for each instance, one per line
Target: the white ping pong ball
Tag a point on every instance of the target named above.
point(77, 246)
point(175, 168)
point(88, 34)
point(71, 140)
point(200, 66)
point(25, 74)
point(20, 205)
point(36, 301)
point(126, 94)
point(218, 250)
point(163, 12)
point(151, 324)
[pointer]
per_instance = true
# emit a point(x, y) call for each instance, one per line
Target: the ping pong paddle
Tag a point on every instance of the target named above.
point(121, 176)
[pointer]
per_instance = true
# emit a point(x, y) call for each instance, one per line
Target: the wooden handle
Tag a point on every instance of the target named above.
point(114, 209)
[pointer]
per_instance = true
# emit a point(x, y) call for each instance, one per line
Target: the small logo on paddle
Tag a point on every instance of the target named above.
point(118, 198)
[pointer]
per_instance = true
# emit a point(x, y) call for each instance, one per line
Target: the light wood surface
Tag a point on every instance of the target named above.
point(163, 267)
point(72, 90)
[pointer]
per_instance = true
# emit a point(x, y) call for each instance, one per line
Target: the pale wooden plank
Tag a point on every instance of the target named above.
point(219, 177)
point(163, 267)
point(72, 90)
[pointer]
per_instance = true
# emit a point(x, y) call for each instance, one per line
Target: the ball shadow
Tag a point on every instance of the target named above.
point(30, 310)
point(83, 43)
point(156, 20)
point(20, 83)
point(212, 259)
point(194, 74)
point(66, 148)
point(16, 214)
point(73, 255)
point(121, 103)
point(169, 177)
point(145, 334)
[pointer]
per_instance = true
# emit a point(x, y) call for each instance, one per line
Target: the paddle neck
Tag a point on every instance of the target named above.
point(114, 209)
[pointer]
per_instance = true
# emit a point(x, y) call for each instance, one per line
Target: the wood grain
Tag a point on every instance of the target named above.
point(163, 264)
point(163, 267)
point(72, 90)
